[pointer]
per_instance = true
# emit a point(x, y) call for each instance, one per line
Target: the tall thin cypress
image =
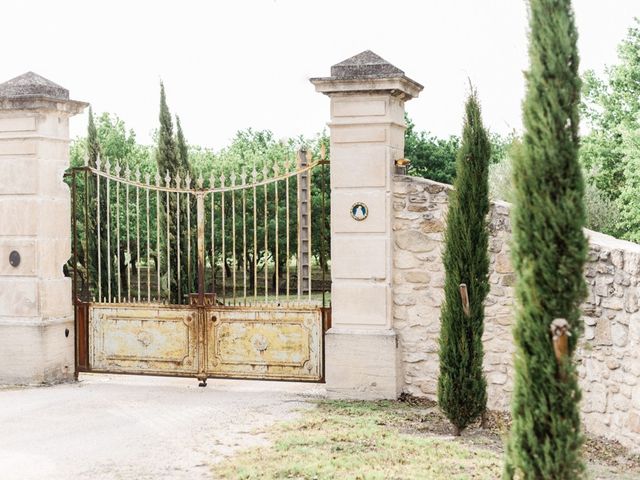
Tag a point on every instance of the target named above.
point(189, 283)
point(549, 252)
point(182, 149)
point(168, 163)
point(93, 145)
point(167, 153)
point(462, 394)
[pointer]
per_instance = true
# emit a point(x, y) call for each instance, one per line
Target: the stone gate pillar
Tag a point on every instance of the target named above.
point(36, 312)
point(367, 135)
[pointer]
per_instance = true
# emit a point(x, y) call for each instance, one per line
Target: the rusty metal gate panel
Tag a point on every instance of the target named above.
point(251, 343)
point(265, 343)
point(143, 339)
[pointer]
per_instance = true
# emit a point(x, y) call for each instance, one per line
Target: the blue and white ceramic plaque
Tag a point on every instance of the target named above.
point(359, 211)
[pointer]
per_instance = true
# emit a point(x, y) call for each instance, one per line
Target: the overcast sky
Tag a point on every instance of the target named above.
point(229, 65)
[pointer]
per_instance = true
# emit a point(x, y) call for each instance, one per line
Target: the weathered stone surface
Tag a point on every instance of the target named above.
point(432, 225)
point(32, 84)
point(503, 263)
point(617, 258)
point(619, 334)
point(596, 401)
point(603, 332)
point(634, 422)
point(364, 64)
point(417, 276)
point(414, 241)
point(631, 300)
point(404, 259)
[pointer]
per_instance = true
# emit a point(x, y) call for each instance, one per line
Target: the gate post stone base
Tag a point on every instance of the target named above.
point(367, 136)
point(36, 310)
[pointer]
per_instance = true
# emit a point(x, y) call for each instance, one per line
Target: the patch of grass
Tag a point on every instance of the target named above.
point(363, 441)
point(409, 439)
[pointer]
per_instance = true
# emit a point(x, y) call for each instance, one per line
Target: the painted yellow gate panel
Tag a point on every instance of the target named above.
point(142, 339)
point(253, 343)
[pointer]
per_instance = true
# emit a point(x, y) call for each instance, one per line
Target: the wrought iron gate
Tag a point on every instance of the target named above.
point(200, 280)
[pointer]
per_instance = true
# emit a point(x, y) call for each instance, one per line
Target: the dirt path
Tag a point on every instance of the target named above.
point(120, 427)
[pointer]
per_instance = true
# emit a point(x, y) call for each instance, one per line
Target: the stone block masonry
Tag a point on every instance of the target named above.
point(609, 352)
point(367, 97)
point(36, 309)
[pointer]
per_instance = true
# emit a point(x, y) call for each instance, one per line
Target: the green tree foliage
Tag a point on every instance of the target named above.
point(549, 252)
point(93, 153)
point(188, 256)
point(166, 151)
point(501, 174)
point(462, 388)
point(435, 158)
point(431, 157)
point(603, 215)
point(115, 143)
point(173, 164)
point(181, 148)
point(612, 108)
point(108, 135)
point(628, 203)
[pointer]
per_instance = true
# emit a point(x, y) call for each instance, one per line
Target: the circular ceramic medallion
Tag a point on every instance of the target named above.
point(359, 211)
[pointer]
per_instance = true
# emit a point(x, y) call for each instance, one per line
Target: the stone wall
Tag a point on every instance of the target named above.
point(608, 355)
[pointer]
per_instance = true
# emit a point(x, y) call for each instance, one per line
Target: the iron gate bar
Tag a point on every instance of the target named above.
point(158, 260)
point(309, 212)
point(147, 178)
point(233, 236)
point(255, 237)
point(224, 256)
point(244, 237)
point(138, 232)
point(99, 232)
point(276, 240)
point(179, 256)
point(266, 237)
point(213, 243)
point(118, 231)
point(323, 260)
point(127, 173)
point(74, 225)
point(188, 232)
point(168, 237)
point(87, 284)
point(109, 258)
point(286, 166)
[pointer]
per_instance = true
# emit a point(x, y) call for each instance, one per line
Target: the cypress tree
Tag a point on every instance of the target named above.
point(93, 146)
point(167, 153)
point(167, 160)
point(189, 279)
point(461, 386)
point(182, 150)
point(549, 252)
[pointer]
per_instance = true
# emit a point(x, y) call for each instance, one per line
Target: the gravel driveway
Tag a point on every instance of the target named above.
point(122, 427)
